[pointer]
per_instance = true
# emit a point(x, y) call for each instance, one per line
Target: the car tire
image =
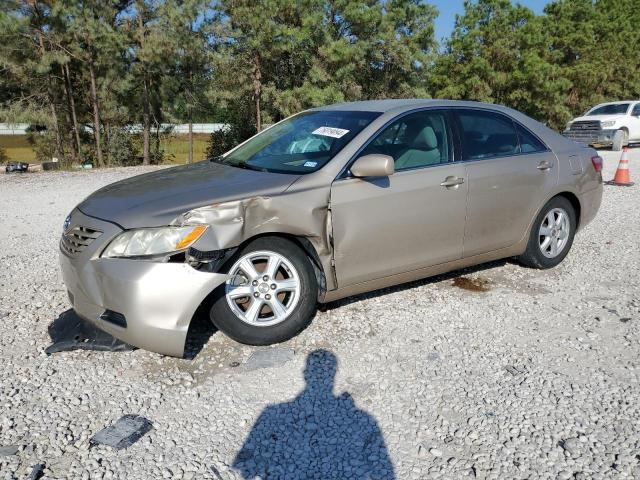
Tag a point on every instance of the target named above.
point(551, 235)
point(242, 307)
point(620, 139)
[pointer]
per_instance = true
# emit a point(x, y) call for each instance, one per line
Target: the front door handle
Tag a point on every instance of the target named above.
point(544, 165)
point(452, 182)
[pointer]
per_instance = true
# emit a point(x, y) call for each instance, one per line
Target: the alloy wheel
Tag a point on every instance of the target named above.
point(263, 289)
point(553, 234)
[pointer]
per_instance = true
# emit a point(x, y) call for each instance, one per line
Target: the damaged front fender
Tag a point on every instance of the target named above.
point(303, 214)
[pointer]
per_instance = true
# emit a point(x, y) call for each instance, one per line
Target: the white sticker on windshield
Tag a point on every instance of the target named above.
point(330, 132)
point(310, 164)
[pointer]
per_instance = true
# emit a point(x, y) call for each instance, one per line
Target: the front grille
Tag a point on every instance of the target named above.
point(585, 126)
point(77, 238)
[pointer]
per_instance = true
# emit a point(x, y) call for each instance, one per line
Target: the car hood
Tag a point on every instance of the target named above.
point(155, 199)
point(597, 117)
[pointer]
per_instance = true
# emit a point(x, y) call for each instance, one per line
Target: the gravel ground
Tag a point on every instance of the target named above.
point(492, 372)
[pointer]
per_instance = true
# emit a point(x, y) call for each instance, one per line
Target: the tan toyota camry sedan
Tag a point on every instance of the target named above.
point(328, 203)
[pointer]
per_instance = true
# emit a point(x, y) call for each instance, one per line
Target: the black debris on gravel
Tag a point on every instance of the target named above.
point(70, 332)
point(20, 167)
point(36, 472)
point(514, 370)
point(124, 433)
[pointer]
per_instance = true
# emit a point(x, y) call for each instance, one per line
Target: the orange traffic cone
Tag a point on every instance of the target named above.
point(622, 177)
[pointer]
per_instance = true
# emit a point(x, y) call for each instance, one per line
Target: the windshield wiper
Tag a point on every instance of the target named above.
point(246, 166)
point(222, 161)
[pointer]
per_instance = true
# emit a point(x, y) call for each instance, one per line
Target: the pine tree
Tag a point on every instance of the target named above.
point(30, 92)
point(185, 87)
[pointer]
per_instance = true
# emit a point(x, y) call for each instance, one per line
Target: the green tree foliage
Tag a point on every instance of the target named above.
point(498, 53)
point(189, 73)
point(596, 49)
point(284, 56)
point(102, 77)
point(553, 66)
point(29, 92)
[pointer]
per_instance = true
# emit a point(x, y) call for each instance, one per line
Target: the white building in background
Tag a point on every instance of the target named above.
point(13, 128)
point(197, 127)
point(179, 129)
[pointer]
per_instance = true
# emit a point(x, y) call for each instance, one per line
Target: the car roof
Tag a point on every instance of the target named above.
point(616, 103)
point(387, 105)
point(391, 107)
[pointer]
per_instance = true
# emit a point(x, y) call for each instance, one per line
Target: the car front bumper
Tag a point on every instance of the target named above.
point(157, 300)
point(591, 137)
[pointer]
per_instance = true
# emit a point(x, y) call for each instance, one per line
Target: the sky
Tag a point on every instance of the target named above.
point(448, 9)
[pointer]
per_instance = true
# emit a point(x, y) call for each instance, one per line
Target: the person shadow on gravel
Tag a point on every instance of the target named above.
point(316, 435)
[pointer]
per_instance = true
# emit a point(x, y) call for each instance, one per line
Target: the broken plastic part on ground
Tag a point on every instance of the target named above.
point(124, 433)
point(36, 471)
point(70, 332)
point(8, 450)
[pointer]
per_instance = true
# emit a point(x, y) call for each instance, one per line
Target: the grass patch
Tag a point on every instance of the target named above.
point(176, 148)
point(17, 148)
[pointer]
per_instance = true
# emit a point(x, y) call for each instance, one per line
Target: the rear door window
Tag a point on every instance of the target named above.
point(486, 135)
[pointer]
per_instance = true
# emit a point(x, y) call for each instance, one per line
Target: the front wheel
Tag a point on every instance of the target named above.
point(271, 295)
point(551, 235)
point(620, 139)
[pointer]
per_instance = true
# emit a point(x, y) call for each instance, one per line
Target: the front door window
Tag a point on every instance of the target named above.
point(416, 140)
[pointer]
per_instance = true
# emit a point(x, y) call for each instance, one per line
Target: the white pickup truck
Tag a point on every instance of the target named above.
point(616, 124)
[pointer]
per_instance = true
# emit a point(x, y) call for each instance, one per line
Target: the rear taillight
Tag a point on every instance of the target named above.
point(597, 163)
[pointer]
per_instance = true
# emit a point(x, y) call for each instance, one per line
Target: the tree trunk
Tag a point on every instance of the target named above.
point(190, 101)
point(74, 148)
point(190, 160)
point(56, 124)
point(146, 124)
point(107, 133)
point(146, 116)
point(72, 106)
point(96, 113)
point(52, 104)
point(257, 90)
point(72, 109)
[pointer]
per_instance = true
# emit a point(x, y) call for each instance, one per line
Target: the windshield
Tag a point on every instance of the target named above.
point(302, 144)
point(611, 109)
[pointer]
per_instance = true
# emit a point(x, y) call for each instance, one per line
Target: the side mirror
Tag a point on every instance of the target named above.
point(373, 165)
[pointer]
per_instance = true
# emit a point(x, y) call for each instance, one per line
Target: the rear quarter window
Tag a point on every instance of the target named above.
point(529, 143)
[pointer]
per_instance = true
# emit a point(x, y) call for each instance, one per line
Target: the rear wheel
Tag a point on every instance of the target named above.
point(551, 235)
point(271, 295)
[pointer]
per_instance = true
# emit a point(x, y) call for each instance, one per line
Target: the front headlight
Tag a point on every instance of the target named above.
point(153, 241)
point(608, 124)
point(568, 126)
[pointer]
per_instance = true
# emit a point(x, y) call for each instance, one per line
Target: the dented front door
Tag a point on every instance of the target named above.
point(409, 220)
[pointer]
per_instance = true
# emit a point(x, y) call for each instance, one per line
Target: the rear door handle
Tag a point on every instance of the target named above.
point(544, 165)
point(452, 182)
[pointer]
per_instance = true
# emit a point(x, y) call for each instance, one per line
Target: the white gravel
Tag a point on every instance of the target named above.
point(536, 377)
